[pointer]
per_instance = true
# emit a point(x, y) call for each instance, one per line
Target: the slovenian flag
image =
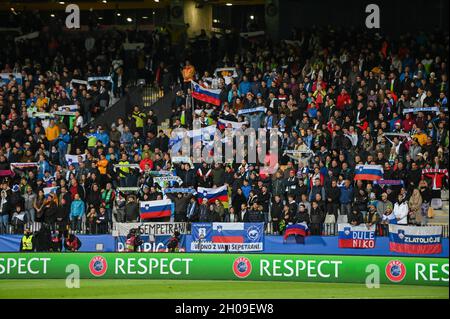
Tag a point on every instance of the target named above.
point(73, 159)
point(229, 233)
point(369, 172)
point(415, 240)
point(206, 95)
point(296, 229)
point(50, 190)
point(156, 209)
point(220, 193)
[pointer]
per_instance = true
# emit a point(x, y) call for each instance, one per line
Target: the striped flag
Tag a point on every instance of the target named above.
point(296, 229)
point(73, 159)
point(206, 95)
point(156, 209)
point(228, 233)
point(50, 190)
point(211, 194)
point(369, 172)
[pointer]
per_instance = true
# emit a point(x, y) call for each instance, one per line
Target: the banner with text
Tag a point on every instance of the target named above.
point(415, 240)
point(156, 229)
point(253, 267)
point(214, 237)
point(356, 236)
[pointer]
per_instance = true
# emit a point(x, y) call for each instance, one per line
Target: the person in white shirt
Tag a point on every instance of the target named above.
point(78, 119)
point(401, 210)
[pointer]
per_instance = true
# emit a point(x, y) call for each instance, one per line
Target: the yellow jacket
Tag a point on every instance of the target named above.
point(52, 132)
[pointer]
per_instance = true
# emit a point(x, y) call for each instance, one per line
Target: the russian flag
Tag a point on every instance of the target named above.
point(228, 233)
point(211, 194)
point(156, 209)
point(206, 95)
point(368, 172)
point(296, 229)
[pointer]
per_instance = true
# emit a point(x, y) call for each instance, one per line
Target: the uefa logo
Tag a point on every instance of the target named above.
point(98, 266)
point(242, 267)
point(395, 271)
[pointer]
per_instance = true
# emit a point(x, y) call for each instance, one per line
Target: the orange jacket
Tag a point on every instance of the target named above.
point(52, 133)
point(188, 73)
point(101, 165)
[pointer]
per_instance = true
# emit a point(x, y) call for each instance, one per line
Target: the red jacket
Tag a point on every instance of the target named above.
point(144, 162)
point(342, 100)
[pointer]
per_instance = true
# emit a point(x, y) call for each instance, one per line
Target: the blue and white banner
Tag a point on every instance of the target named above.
point(421, 109)
point(4, 78)
point(75, 159)
point(415, 240)
point(202, 134)
point(356, 236)
point(71, 107)
point(50, 190)
point(102, 78)
point(233, 237)
point(252, 110)
point(179, 190)
point(234, 125)
point(152, 244)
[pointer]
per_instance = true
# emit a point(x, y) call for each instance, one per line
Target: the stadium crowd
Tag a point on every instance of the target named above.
point(333, 96)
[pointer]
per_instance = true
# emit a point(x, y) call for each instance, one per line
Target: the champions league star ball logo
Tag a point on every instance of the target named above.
point(98, 266)
point(395, 271)
point(242, 267)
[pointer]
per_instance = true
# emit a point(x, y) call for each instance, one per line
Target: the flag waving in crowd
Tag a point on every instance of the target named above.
point(368, 172)
point(156, 209)
point(213, 194)
point(206, 95)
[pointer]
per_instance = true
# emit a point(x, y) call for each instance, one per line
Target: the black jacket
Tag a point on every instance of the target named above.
point(277, 210)
point(333, 193)
point(253, 216)
point(358, 218)
point(317, 216)
point(131, 211)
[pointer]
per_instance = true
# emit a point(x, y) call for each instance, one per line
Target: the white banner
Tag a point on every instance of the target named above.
point(28, 36)
point(122, 229)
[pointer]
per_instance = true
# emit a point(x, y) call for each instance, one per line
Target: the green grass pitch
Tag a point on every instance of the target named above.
point(191, 289)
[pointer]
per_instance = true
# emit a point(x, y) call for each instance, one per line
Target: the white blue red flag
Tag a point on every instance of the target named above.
point(211, 96)
point(156, 209)
point(415, 240)
point(369, 172)
point(356, 236)
point(212, 194)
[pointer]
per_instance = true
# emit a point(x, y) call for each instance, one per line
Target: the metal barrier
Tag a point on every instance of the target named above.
point(151, 94)
point(84, 229)
point(326, 229)
point(444, 229)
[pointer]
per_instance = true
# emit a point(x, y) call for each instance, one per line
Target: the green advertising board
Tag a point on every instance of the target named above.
point(256, 267)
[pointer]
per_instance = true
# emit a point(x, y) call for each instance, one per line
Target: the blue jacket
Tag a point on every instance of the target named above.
point(43, 166)
point(246, 190)
point(346, 195)
point(244, 87)
point(76, 209)
point(63, 141)
point(102, 137)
